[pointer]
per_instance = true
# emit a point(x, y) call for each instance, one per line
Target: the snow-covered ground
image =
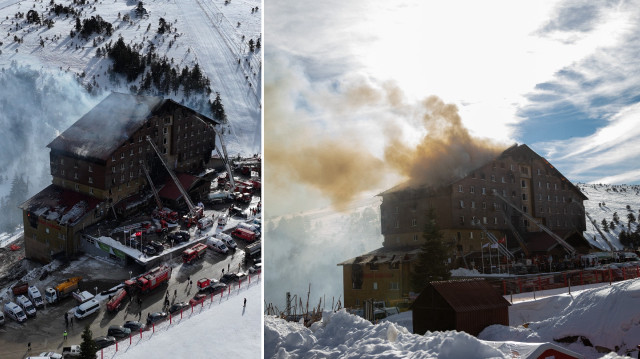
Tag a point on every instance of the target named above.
point(607, 316)
point(222, 327)
point(6, 239)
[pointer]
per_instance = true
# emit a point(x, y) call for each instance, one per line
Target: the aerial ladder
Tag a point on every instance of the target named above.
point(153, 188)
point(567, 247)
point(195, 212)
point(222, 153)
point(494, 241)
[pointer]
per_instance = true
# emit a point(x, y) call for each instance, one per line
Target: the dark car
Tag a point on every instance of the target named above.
point(176, 307)
point(156, 317)
point(157, 246)
point(134, 326)
point(149, 250)
point(214, 288)
point(197, 299)
point(228, 278)
point(103, 342)
point(118, 331)
point(179, 237)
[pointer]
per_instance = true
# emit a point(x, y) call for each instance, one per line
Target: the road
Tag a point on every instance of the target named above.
point(45, 332)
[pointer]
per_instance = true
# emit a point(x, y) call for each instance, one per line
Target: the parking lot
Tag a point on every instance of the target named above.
point(45, 332)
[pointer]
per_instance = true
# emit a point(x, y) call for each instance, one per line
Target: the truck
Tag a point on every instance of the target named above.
point(62, 290)
point(20, 288)
point(243, 233)
point(150, 280)
point(196, 252)
point(116, 300)
point(71, 351)
point(35, 296)
point(253, 250)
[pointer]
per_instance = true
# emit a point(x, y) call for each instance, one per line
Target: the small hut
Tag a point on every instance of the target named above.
point(468, 305)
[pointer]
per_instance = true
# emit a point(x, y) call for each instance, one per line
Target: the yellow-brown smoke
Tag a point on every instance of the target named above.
point(335, 161)
point(447, 151)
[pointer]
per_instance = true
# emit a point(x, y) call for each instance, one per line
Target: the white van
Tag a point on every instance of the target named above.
point(217, 245)
point(26, 305)
point(35, 297)
point(13, 311)
point(87, 308)
point(227, 240)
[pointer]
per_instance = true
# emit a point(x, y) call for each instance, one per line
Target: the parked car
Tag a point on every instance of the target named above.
point(157, 246)
point(134, 326)
point(50, 355)
point(179, 237)
point(103, 342)
point(214, 288)
point(149, 250)
point(232, 277)
point(228, 240)
point(156, 317)
point(177, 307)
point(118, 331)
point(197, 299)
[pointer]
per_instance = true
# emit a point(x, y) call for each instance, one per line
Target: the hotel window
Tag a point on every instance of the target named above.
point(122, 155)
point(555, 186)
point(524, 208)
point(459, 188)
point(414, 222)
point(397, 224)
point(113, 169)
point(549, 198)
point(90, 168)
point(523, 183)
point(415, 237)
point(140, 139)
point(484, 220)
point(524, 196)
point(131, 174)
point(122, 166)
point(495, 220)
point(121, 178)
point(470, 235)
point(548, 185)
point(90, 179)
point(131, 152)
point(394, 286)
point(484, 190)
point(493, 178)
point(75, 176)
point(484, 205)
point(472, 189)
point(396, 209)
point(461, 204)
point(62, 161)
point(165, 130)
point(140, 149)
point(502, 180)
point(473, 204)
point(91, 190)
point(375, 285)
point(461, 219)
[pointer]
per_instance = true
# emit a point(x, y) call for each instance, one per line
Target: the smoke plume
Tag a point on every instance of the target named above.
point(447, 150)
point(326, 138)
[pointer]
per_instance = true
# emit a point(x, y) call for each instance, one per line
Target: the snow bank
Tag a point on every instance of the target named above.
point(342, 335)
point(606, 316)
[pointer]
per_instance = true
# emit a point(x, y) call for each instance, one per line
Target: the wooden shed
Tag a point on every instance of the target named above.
point(468, 305)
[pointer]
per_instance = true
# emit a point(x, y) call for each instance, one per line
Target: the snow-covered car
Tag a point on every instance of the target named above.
point(50, 355)
point(255, 268)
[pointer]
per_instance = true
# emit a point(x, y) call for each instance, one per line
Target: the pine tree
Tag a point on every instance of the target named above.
point(218, 109)
point(605, 225)
point(88, 347)
point(432, 259)
point(631, 218)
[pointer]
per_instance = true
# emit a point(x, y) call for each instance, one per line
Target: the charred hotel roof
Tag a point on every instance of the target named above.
point(510, 198)
point(97, 163)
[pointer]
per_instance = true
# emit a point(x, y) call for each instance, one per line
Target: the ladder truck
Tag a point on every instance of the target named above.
point(195, 212)
point(567, 247)
point(494, 241)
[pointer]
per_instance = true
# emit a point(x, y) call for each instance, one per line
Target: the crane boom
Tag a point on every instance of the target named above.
point(224, 156)
point(192, 208)
point(567, 247)
point(153, 188)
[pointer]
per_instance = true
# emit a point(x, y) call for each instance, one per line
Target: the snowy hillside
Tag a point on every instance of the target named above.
point(224, 327)
point(565, 316)
point(55, 65)
point(604, 201)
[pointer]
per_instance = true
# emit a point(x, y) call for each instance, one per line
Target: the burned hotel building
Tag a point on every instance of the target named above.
point(97, 167)
point(500, 197)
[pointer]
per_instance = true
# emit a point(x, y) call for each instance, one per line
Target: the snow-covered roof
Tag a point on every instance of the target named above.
point(62, 205)
point(109, 124)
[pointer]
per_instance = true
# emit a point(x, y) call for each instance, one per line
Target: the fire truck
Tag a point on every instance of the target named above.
point(196, 252)
point(150, 280)
point(114, 303)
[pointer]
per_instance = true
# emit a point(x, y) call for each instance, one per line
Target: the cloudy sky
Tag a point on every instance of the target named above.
point(346, 81)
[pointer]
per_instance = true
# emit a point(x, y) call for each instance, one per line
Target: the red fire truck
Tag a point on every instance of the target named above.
point(243, 233)
point(114, 303)
point(196, 252)
point(150, 280)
